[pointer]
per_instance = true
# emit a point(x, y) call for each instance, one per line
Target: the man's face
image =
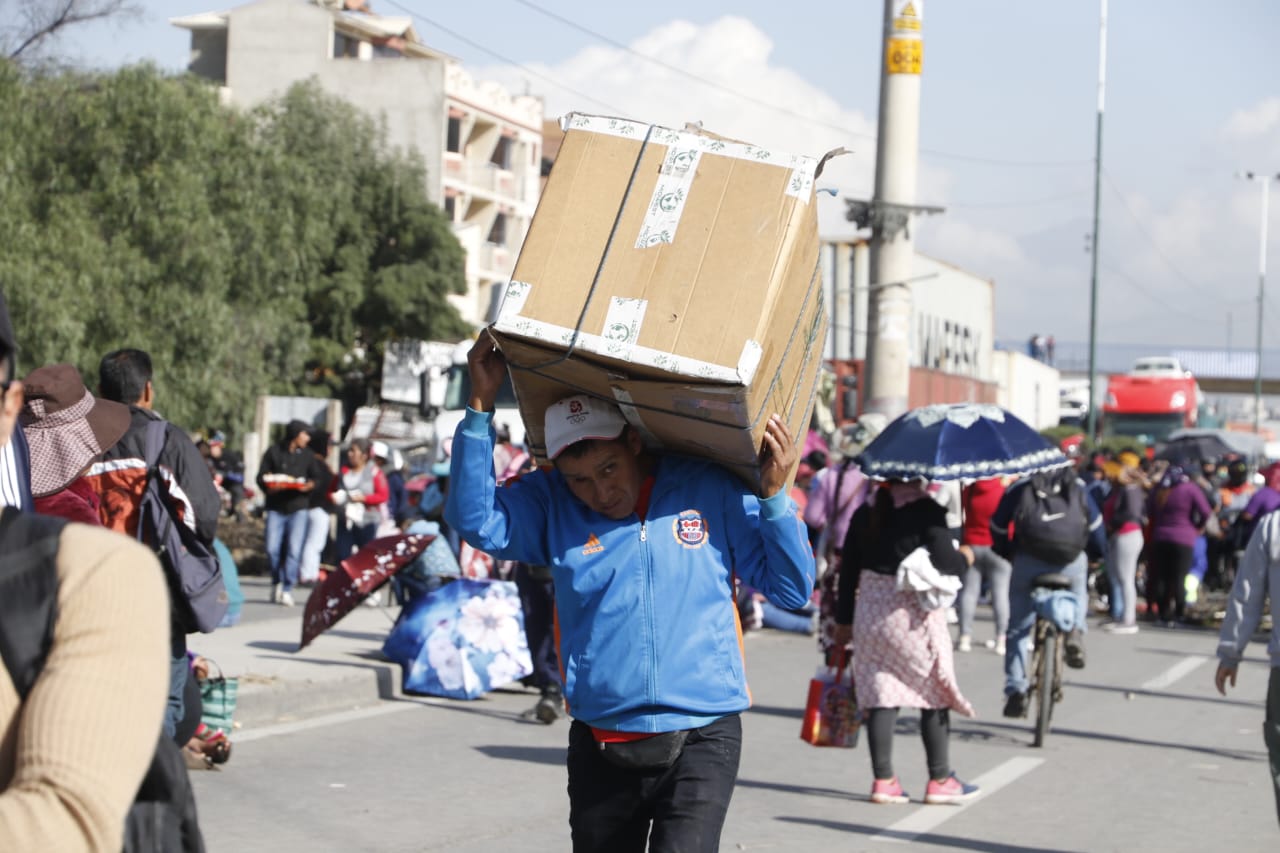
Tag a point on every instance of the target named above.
point(301, 441)
point(607, 477)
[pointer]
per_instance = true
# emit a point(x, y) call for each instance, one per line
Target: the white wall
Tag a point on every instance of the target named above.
point(1027, 387)
point(273, 44)
point(952, 311)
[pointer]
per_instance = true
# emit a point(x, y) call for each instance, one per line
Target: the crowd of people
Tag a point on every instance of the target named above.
point(636, 571)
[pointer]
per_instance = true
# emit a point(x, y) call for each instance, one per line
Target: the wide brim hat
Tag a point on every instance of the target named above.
point(66, 427)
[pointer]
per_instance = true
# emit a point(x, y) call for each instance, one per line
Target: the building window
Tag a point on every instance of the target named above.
point(345, 47)
point(498, 231)
point(451, 207)
point(453, 142)
point(502, 153)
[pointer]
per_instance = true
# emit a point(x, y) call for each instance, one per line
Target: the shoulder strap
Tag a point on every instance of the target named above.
point(28, 593)
point(155, 443)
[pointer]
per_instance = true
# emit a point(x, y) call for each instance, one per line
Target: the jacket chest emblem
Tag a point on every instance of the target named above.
point(690, 528)
point(593, 546)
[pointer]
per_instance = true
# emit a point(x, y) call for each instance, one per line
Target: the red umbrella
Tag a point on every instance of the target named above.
point(356, 578)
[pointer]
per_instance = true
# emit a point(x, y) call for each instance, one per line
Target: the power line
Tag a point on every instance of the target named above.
point(501, 58)
point(1162, 301)
point(1198, 289)
point(730, 91)
point(1028, 203)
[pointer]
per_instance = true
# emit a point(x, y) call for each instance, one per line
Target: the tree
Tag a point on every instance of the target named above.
point(248, 252)
point(25, 31)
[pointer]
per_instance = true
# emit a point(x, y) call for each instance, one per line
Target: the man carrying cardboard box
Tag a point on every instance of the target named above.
point(644, 549)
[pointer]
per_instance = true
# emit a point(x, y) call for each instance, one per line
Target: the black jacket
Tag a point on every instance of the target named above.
point(120, 478)
point(301, 463)
point(878, 543)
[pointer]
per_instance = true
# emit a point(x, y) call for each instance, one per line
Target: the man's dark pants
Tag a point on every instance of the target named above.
point(538, 603)
point(610, 809)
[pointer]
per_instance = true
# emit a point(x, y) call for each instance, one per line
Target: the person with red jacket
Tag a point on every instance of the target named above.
point(360, 492)
point(979, 501)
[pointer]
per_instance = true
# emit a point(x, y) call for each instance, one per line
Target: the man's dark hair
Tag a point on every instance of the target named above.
point(123, 375)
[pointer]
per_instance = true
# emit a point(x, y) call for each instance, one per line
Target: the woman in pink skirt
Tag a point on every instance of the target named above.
point(901, 649)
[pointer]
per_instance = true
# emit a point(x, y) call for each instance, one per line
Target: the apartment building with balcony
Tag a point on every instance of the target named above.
point(482, 146)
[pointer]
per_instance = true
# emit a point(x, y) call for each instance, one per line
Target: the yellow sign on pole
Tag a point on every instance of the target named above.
point(904, 56)
point(907, 17)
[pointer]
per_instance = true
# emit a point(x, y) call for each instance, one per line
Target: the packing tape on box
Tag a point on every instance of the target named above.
point(622, 324)
point(662, 217)
point(621, 332)
point(803, 168)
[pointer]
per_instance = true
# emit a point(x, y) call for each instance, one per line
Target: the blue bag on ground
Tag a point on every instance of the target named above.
point(461, 640)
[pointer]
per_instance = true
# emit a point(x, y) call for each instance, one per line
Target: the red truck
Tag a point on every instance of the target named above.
point(1156, 397)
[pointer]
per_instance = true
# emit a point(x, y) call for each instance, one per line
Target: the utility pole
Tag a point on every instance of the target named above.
point(888, 373)
point(1092, 422)
point(1265, 182)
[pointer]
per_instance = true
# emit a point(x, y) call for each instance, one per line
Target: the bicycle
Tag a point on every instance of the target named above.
point(1048, 656)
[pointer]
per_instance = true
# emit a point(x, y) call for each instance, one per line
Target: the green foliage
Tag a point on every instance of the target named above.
point(1055, 434)
point(1109, 444)
point(248, 252)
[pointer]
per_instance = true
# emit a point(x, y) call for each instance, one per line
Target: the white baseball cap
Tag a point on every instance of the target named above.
point(579, 418)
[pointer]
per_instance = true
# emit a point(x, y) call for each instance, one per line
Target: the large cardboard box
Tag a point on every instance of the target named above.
point(675, 273)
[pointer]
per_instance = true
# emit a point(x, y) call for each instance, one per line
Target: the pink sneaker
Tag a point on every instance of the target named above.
point(949, 791)
point(888, 792)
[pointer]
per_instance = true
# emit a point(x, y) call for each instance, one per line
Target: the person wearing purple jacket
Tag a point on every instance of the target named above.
point(837, 493)
point(1264, 501)
point(1178, 511)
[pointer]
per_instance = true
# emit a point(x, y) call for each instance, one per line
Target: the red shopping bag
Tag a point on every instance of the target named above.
point(831, 712)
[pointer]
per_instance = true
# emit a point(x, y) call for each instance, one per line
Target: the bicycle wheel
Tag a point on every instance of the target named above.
point(1045, 674)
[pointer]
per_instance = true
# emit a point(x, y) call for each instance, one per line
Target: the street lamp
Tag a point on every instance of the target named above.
point(1265, 182)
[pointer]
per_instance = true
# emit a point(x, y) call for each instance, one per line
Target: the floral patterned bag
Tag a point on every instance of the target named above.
point(461, 640)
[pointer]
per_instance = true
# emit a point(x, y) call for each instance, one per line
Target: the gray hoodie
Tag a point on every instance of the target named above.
point(1259, 571)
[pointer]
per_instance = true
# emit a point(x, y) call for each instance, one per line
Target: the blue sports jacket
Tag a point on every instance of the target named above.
point(649, 633)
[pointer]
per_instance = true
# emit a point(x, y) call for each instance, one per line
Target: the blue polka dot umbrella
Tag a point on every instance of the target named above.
point(958, 441)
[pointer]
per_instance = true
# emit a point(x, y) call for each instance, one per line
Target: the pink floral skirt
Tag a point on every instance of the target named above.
point(901, 652)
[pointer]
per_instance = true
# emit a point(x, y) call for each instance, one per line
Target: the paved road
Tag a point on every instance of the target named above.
point(1145, 756)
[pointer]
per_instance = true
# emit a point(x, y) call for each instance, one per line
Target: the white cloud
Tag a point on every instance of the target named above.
point(1259, 120)
point(729, 83)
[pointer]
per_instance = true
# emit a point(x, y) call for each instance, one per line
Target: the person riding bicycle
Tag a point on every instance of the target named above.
point(1057, 527)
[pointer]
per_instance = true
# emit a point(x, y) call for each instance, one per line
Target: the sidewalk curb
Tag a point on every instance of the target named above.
point(342, 669)
point(266, 700)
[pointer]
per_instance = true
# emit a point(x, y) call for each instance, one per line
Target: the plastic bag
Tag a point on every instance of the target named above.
point(831, 715)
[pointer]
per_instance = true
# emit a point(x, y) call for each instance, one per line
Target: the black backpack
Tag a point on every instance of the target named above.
point(162, 818)
point(192, 568)
point(1052, 519)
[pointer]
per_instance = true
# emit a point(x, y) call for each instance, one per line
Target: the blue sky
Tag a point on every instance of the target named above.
point(1007, 126)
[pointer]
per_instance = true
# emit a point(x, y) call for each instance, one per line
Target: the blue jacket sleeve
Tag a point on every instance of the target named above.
point(771, 550)
point(507, 523)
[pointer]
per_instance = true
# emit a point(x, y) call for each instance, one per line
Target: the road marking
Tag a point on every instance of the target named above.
point(927, 818)
point(326, 720)
point(1175, 672)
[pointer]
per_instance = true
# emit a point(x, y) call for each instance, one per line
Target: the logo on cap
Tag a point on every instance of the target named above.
point(690, 528)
